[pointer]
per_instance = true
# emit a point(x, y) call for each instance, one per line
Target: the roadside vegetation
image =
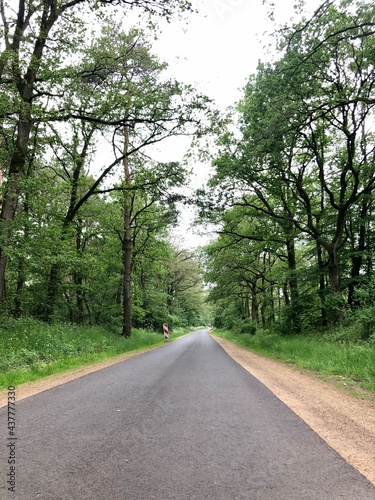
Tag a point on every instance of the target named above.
point(340, 354)
point(30, 349)
point(86, 214)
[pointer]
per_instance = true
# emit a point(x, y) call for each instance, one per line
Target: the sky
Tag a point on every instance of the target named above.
point(216, 51)
point(220, 46)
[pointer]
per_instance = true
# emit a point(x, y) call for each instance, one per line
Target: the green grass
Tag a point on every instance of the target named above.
point(30, 350)
point(353, 362)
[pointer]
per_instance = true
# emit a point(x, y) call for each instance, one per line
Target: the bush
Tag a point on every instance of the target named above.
point(29, 348)
point(365, 318)
point(242, 326)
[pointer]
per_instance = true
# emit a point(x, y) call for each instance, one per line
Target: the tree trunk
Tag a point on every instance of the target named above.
point(20, 284)
point(3, 260)
point(127, 253)
point(272, 304)
point(254, 305)
point(88, 311)
point(293, 285)
point(357, 258)
point(286, 293)
point(78, 277)
point(78, 281)
point(339, 314)
point(127, 243)
point(53, 286)
point(263, 314)
point(263, 306)
point(333, 271)
point(25, 87)
point(10, 199)
point(247, 306)
point(322, 286)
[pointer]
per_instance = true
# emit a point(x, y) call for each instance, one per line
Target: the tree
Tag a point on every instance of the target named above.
point(115, 91)
point(333, 131)
point(145, 110)
point(144, 188)
point(305, 155)
point(240, 267)
point(32, 36)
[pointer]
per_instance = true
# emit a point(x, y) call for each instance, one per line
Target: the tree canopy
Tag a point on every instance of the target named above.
point(301, 165)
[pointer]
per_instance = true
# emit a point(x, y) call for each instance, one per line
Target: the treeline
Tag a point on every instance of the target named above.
point(85, 211)
point(294, 181)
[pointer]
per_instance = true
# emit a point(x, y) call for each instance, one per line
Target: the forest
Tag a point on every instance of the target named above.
point(293, 183)
point(87, 213)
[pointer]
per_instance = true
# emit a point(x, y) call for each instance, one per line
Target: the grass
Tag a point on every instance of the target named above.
point(351, 362)
point(30, 350)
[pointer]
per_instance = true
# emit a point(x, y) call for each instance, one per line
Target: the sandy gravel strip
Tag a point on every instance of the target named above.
point(345, 422)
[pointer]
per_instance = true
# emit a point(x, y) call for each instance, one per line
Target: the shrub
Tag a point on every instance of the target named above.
point(242, 326)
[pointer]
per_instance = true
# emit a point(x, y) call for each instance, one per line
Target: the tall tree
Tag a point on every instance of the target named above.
point(116, 92)
point(146, 109)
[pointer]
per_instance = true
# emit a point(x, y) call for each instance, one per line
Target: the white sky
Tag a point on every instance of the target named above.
point(216, 52)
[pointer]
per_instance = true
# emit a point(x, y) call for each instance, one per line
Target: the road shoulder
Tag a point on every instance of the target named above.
point(345, 422)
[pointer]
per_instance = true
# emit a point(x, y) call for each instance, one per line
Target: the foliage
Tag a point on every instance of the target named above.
point(62, 213)
point(293, 186)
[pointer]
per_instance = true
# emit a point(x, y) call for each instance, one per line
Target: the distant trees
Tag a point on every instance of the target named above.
point(304, 167)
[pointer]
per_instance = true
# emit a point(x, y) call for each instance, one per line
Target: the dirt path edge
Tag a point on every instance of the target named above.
point(345, 422)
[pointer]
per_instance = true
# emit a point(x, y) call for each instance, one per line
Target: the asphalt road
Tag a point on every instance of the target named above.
point(182, 422)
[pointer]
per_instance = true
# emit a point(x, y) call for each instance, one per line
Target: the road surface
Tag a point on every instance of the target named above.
point(182, 422)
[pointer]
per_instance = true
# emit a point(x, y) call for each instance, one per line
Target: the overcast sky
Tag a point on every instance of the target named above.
point(220, 46)
point(216, 51)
